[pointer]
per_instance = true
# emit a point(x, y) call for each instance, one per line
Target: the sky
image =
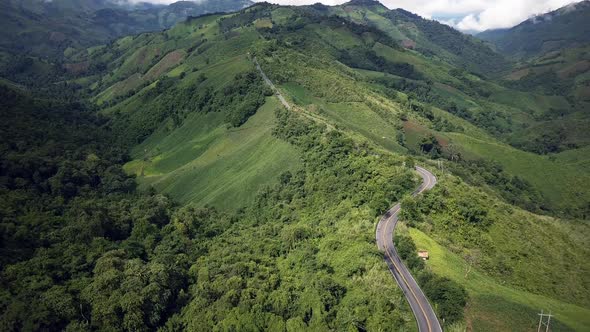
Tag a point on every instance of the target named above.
point(465, 15)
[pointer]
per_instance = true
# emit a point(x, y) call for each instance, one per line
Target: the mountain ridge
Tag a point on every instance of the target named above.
point(49, 28)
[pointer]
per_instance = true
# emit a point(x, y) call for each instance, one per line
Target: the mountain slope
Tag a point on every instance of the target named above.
point(428, 37)
point(552, 53)
point(290, 245)
point(47, 28)
point(562, 28)
point(444, 98)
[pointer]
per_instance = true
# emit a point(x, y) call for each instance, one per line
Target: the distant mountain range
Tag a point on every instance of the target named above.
point(429, 37)
point(47, 28)
point(563, 28)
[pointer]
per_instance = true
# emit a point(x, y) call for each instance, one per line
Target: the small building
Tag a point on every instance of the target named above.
point(423, 254)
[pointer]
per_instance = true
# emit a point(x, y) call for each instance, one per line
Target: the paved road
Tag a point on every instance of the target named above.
point(272, 86)
point(425, 316)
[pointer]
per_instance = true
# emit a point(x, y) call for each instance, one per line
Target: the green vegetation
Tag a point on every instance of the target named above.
point(206, 163)
point(428, 37)
point(147, 264)
point(155, 183)
point(70, 216)
point(562, 28)
point(475, 225)
point(317, 268)
point(55, 28)
point(492, 305)
point(563, 193)
point(448, 297)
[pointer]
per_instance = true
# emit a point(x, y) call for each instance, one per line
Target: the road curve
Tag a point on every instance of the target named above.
point(425, 316)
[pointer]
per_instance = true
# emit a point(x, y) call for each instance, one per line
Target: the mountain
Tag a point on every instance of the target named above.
point(563, 28)
point(552, 53)
point(158, 182)
point(428, 37)
point(508, 116)
point(48, 28)
point(355, 79)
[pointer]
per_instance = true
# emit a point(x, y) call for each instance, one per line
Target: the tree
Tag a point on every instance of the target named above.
point(430, 145)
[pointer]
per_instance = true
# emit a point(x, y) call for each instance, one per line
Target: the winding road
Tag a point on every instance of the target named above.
point(425, 316)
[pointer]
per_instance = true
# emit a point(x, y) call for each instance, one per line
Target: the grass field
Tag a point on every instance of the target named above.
point(496, 307)
point(355, 117)
point(206, 163)
point(564, 185)
point(579, 158)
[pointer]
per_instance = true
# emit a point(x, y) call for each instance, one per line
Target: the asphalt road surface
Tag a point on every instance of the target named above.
point(425, 316)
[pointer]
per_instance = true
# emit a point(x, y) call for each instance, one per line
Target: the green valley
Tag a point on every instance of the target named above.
point(153, 181)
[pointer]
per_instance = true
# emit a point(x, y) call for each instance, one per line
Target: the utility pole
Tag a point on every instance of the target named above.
point(543, 322)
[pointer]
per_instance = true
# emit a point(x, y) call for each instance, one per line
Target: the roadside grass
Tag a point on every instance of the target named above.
point(299, 94)
point(206, 163)
point(496, 307)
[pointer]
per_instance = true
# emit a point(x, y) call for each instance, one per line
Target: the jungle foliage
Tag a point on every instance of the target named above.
point(82, 250)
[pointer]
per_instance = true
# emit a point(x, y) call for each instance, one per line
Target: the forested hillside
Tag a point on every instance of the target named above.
point(49, 28)
point(552, 54)
point(156, 182)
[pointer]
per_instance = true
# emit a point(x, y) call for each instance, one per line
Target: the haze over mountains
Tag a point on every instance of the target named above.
point(151, 180)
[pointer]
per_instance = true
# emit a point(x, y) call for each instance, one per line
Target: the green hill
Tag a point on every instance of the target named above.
point(430, 38)
point(268, 214)
point(552, 53)
point(563, 28)
point(48, 28)
point(367, 97)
